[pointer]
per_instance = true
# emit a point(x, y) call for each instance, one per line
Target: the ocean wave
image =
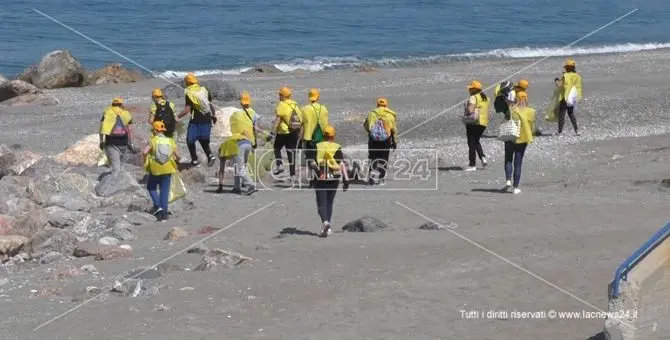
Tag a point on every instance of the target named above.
point(329, 63)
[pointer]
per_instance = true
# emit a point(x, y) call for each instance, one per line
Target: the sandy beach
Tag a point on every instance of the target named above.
point(587, 203)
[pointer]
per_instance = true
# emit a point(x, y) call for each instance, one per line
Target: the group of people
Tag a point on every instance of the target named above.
point(511, 100)
point(307, 128)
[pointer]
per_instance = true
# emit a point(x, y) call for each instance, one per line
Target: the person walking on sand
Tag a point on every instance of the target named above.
point(515, 150)
point(199, 105)
point(116, 134)
point(380, 125)
point(329, 169)
point(286, 131)
point(476, 119)
point(243, 126)
point(315, 119)
point(164, 111)
point(162, 157)
point(571, 84)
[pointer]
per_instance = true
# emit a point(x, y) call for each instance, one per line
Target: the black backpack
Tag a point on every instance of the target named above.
point(165, 114)
point(500, 102)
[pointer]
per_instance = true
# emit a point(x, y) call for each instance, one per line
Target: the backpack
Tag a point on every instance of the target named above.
point(163, 149)
point(119, 129)
point(317, 135)
point(500, 103)
point(294, 122)
point(378, 131)
point(165, 114)
point(471, 117)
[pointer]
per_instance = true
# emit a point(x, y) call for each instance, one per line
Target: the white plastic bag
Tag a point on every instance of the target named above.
point(571, 100)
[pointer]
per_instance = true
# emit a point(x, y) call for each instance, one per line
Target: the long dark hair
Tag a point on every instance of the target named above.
point(482, 94)
point(570, 68)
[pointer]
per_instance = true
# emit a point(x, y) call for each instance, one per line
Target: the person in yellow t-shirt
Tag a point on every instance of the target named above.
point(162, 158)
point(286, 130)
point(329, 167)
point(315, 119)
point(116, 134)
point(515, 150)
point(165, 109)
point(474, 129)
point(379, 149)
point(570, 79)
point(243, 126)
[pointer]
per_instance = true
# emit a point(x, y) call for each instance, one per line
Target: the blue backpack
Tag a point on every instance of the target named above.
point(378, 132)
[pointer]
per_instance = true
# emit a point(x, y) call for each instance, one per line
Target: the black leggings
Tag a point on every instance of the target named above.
point(325, 197)
point(378, 154)
point(205, 147)
point(562, 109)
point(474, 133)
point(290, 142)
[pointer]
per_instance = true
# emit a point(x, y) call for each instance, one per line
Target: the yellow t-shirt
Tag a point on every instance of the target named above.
point(283, 111)
point(312, 115)
point(525, 115)
point(483, 107)
point(157, 169)
point(152, 109)
point(109, 119)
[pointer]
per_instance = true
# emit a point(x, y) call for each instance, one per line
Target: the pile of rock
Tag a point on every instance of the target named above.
point(59, 69)
point(51, 209)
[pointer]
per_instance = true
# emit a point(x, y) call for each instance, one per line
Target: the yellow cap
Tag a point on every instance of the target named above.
point(329, 131)
point(475, 85)
point(313, 95)
point(569, 62)
point(117, 100)
point(190, 79)
point(523, 83)
point(285, 91)
point(245, 98)
point(521, 95)
point(159, 126)
point(381, 101)
point(158, 93)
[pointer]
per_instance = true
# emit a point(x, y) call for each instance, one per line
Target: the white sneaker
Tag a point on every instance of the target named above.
point(508, 184)
point(517, 191)
point(484, 162)
point(325, 230)
point(470, 168)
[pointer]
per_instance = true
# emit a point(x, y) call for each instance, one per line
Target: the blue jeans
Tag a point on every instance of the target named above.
point(513, 160)
point(162, 183)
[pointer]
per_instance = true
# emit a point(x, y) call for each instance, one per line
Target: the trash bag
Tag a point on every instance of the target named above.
point(259, 163)
point(177, 188)
point(552, 110)
point(180, 130)
point(102, 159)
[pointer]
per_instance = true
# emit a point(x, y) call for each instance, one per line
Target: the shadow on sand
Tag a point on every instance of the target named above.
point(295, 231)
point(450, 168)
point(491, 190)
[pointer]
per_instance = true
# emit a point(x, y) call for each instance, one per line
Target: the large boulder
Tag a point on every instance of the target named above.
point(44, 167)
point(86, 152)
point(11, 245)
point(221, 129)
point(30, 223)
point(100, 252)
point(111, 184)
point(51, 240)
point(14, 200)
point(37, 99)
point(263, 68)
point(113, 74)
point(57, 69)
point(62, 218)
point(15, 163)
point(365, 224)
point(69, 190)
point(220, 90)
point(15, 88)
point(137, 200)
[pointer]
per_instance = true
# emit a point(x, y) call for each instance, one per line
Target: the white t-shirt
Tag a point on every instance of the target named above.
point(511, 96)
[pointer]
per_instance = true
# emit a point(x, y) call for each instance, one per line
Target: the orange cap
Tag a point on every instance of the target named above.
point(523, 83)
point(190, 79)
point(521, 95)
point(159, 126)
point(313, 95)
point(381, 101)
point(570, 62)
point(158, 93)
point(329, 131)
point(245, 98)
point(475, 85)
point(285, 91)
point(117, 100)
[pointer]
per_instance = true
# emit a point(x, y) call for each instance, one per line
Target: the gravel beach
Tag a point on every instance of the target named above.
point(587, 202)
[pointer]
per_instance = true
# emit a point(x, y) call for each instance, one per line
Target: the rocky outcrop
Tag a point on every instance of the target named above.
point(113, 74)
point(15, 88)
point(2, 79)
point(84, 152)
point(39, 99)
point(57, 69)
point(263, 68)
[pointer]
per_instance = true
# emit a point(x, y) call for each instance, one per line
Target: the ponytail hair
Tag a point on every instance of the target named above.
point(482, 94)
